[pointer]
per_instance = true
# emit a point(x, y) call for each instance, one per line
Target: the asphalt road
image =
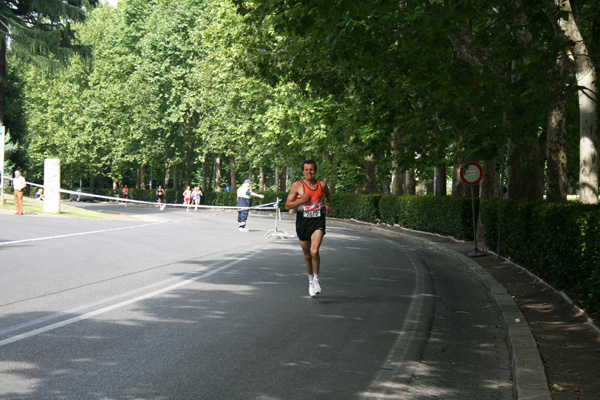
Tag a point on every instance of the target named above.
point(179, 305)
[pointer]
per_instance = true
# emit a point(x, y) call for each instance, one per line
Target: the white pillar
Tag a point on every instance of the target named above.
point(2, 131)
point(51, 185)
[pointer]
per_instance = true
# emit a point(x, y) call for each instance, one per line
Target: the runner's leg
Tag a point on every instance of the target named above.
point(305, 244)
point(310, 248)
point(315, 244)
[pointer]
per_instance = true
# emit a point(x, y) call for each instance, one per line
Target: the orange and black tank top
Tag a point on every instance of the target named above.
point(316, 195)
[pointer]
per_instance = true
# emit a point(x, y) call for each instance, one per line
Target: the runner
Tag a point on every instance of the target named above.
point(187, 197)
point(196, 196)
point(307, 197)
point(125, 194)
point(160, 192)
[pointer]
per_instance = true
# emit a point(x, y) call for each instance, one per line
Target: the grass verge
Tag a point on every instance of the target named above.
point(31, 206)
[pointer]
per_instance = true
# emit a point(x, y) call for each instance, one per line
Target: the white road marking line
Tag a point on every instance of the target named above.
point(91, 314)
point(79, 234)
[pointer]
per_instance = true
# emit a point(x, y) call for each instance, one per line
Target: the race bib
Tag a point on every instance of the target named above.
point(313, 211)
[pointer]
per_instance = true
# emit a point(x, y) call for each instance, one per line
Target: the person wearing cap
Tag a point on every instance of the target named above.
point(244, 196)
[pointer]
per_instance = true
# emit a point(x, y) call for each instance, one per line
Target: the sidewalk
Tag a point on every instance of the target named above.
point(556, 350)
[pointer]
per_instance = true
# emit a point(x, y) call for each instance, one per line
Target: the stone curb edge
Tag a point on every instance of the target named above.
point(529, 376)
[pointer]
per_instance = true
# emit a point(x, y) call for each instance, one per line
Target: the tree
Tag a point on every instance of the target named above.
point(585, 74)
point(39, 32)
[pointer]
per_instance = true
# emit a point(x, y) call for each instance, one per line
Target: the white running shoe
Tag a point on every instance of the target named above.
point(244, 230)
point(311, 289)
point(316, 286)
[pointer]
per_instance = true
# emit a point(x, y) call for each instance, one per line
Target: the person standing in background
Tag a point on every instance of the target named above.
point(19, 184)
point(244, 196)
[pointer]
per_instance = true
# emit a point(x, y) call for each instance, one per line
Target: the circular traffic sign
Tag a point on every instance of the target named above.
point(471, 175)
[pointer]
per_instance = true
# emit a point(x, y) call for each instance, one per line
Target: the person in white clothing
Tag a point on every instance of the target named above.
point(19, 184)
point(244, 195)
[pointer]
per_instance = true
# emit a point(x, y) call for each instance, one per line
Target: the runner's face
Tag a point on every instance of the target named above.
point(309, 171)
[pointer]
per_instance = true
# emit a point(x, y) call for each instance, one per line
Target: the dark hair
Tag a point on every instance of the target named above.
point(309, 162)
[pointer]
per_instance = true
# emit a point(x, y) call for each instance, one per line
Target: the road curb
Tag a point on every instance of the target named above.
point(529, 376)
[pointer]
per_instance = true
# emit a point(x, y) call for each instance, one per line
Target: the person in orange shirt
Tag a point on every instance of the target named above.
point(125, 192)
point(306, 196)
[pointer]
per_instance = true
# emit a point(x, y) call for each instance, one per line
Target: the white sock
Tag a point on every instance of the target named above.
point(310, 278)
point(316, 277)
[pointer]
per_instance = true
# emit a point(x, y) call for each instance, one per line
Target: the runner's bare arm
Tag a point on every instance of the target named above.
point(296, 196)
point(327, 197)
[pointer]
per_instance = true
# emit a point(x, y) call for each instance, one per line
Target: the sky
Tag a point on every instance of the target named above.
point(111, 2)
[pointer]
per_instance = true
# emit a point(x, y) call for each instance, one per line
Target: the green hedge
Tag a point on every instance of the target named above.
point(445, 215)
point(362, 207)
point(558, 242)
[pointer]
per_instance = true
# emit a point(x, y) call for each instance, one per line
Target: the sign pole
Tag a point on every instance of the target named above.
point(471, 176)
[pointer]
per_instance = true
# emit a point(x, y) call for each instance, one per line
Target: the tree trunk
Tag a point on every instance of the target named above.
point(440, 181)
point(490, 182)
point(429, 188)
point(232, 176)
point(385, 186)
point(409, 183)
point(282, 180)
point(182, 183)
point(458, 186)
point(218, 174)
point(396, 184)
point(370, 186)
point(138, 177)
point(526, 170)
point(144, 175)
point(556, 149)
point(585, 75)
point(262, 185)
point(167, 176)
point(205, 184)
point(175, 174)
point(420, 189)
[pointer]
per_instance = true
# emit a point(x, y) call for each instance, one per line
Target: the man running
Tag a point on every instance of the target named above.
point(307, 197)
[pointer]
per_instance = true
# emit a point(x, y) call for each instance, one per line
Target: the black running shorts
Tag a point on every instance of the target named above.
point(305, 227)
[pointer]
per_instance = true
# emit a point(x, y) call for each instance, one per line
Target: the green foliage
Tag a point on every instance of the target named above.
point(559, 242)
point(40, 31)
